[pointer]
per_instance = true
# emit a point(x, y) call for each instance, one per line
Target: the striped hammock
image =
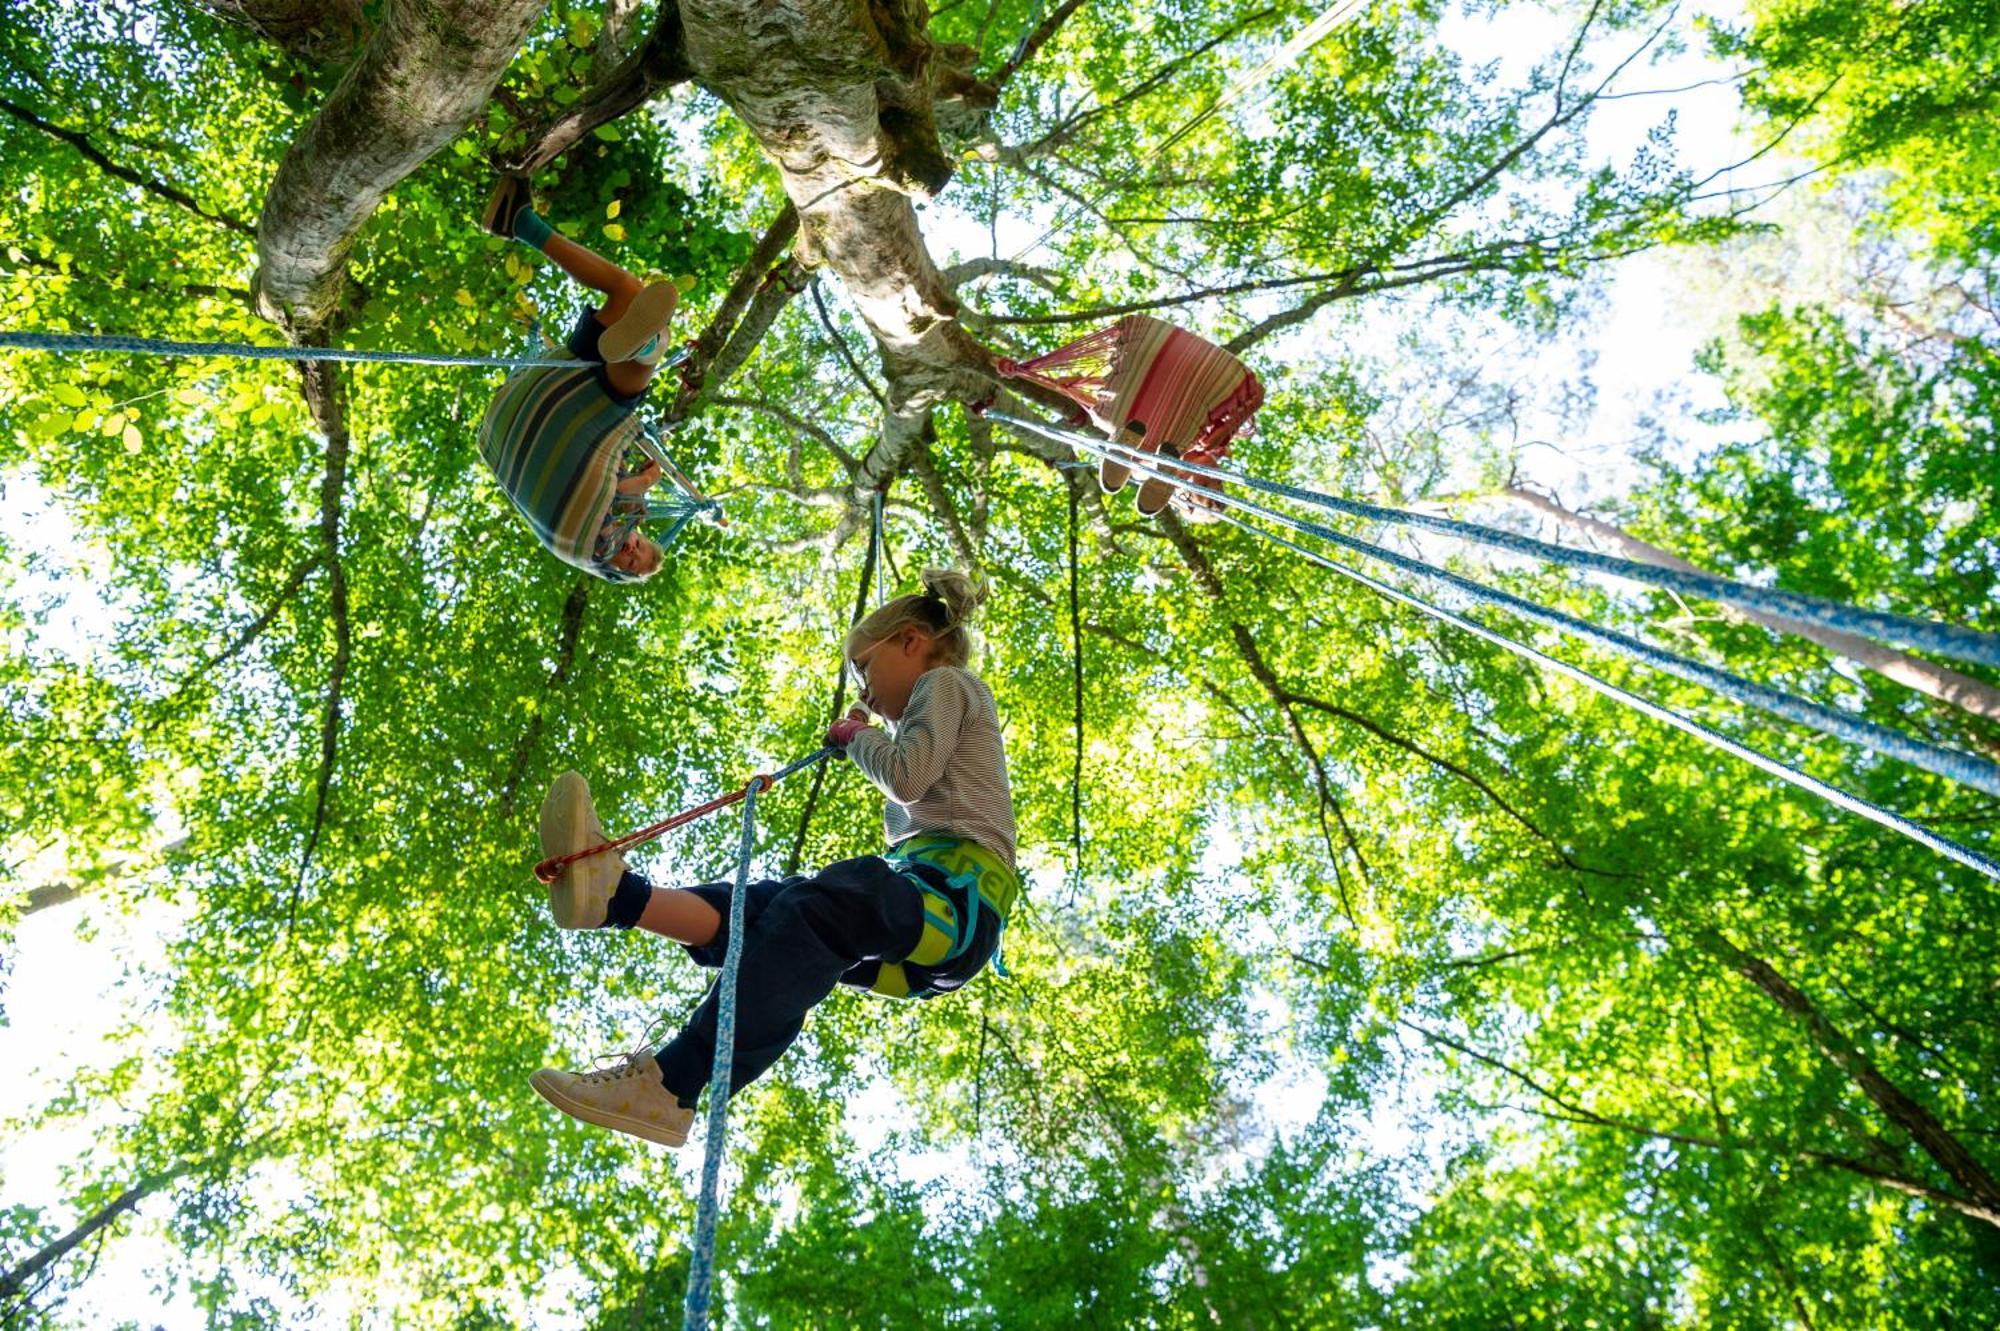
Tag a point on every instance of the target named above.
point(1183, 389)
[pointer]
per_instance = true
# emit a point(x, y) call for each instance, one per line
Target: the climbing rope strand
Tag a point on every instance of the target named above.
point(701, 1255)
point(549, 869)
point(145, 346)
point(1904, 630)
point(1952, 764)
point(1875, 813)
point(1888, 818)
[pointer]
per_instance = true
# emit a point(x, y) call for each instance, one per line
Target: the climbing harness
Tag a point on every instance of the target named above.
point(984, 881)
point(1950, 759)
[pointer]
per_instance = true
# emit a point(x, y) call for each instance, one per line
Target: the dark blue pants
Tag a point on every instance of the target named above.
point(801, 937)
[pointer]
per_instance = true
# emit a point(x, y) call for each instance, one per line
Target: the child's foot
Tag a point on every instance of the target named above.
point(1155, 493)
point(510, 199)
point(641, 332)
point(629, 1097)
point(581, 897)
point(1112, 472)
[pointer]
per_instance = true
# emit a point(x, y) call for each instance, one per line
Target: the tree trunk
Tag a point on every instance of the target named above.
point(1950, 1154)
point(1933, 681)
point(15, 1281)
point(424, 73)
point(840, 94)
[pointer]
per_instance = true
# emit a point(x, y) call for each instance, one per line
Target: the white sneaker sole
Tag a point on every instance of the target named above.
point(580, 898)
point(647, 317)
point(551, 1090)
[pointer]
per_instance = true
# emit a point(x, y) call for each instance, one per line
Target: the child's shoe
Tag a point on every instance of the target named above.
point(641, 335)
point(1154, 492)
point(628, 1097)
point(580, 897)
point(1113, 472)
point(510, 199)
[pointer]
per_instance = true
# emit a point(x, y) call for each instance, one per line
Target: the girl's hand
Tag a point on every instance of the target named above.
point(842, 732)
point(641, 480)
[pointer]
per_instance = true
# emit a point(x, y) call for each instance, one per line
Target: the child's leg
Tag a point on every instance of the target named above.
point(805, 937)
point(681, 916)
point(627, 372)
point(596, 272)
point(620, 288)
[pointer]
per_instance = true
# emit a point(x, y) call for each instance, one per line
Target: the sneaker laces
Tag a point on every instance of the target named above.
point(631, 1063)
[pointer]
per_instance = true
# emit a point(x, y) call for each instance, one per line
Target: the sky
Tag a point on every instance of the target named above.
point(64, 992)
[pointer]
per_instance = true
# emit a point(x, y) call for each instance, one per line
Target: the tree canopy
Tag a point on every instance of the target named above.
point(1366, 978)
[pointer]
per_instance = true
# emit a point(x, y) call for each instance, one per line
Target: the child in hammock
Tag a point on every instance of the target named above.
point(919, 920)
point(557, 438)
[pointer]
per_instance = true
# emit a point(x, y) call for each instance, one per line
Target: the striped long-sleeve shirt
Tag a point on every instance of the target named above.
point(944, 771)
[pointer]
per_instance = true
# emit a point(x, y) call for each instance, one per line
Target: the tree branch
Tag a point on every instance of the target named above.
point(569, 633)
point(326, 395)
point(89, 151)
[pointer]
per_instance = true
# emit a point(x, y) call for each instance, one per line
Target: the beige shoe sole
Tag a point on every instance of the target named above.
point(548, 1084)
point(580, 898)
point(647, 317)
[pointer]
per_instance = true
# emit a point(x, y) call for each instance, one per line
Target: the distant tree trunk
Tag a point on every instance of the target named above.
point(1950, 1154)
point(14, 1282)
point(1933, 681)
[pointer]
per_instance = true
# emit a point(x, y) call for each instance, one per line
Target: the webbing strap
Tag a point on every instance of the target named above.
point(701, 1258)
point(1906, 630)
point(1896, 822)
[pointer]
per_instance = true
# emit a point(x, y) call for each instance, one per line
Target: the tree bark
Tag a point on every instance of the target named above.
point(14, 1282)
point(325, 32)
point(840, 95)
point(422, 76)
point(1933, 681)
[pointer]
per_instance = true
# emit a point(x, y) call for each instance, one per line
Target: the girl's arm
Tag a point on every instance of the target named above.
point(641, 480)
point(906, 767)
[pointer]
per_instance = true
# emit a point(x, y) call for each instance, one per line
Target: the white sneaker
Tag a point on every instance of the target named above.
point(641, 334)
point(580, 897)
point(628, 1097)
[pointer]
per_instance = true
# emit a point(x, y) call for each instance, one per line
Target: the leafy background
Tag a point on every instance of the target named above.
point(1382, 982)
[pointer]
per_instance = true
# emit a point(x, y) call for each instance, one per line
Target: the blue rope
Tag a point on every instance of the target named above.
point(1923, 634)
point(1922, 835)
point(1952, 764)
point(146, 346)
point(701, 1258)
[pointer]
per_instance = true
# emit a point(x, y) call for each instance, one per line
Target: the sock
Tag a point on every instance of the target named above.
point(683, 1101)
point(629, 901)
point(531, 230)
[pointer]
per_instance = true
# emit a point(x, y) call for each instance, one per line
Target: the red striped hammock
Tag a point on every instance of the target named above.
point(1184, 389)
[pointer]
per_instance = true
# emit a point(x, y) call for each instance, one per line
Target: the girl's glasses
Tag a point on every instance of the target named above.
point(857, 667)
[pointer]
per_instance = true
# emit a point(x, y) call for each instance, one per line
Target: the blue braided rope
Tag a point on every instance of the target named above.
point(1953, 764)
point(146, 346)
point(1904, 630)
point(1915, 831)
point(701, 1258)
